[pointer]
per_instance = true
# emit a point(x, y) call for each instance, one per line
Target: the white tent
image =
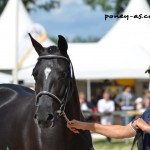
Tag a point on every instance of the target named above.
point(8, 24)
point(5, 78)
point(8, 31)
point(123, 53)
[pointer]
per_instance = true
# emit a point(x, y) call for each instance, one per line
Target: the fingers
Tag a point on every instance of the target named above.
point(140, 124)
point(78, 125)
point(72, 129)
point(137, 123)
point(72, 125)
point(75, 131)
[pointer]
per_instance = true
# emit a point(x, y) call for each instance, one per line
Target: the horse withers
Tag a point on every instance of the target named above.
point(37, 120)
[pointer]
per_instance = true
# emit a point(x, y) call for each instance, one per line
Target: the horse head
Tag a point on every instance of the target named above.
point(53, 75)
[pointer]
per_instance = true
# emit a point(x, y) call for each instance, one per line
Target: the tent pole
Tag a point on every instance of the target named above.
point(88, 90)
point(15, 71)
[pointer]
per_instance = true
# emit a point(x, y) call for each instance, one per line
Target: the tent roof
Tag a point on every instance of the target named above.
point(26, 54)
point(123, 53)
point(91, 63)
point(8, 32)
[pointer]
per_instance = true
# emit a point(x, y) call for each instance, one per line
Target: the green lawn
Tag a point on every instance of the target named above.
point(115, 145)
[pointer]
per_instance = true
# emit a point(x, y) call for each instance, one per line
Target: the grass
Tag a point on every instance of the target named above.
point(115, 145)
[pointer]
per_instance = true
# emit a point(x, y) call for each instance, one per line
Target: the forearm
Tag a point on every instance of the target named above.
point(112, 131)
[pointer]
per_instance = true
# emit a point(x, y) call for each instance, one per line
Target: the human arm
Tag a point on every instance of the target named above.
point(112, 131)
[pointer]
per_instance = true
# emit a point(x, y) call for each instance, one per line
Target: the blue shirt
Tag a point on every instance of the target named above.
point(146, 136)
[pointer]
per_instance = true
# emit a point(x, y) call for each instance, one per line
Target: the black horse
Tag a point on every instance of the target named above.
point(37, 120)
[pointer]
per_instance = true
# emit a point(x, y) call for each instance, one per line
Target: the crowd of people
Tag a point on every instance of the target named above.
point(124, 101)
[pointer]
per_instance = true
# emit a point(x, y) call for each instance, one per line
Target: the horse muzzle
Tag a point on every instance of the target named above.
point(45, 122)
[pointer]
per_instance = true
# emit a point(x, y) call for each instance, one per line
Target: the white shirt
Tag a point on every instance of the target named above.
point(105, 105)
point(84, 107)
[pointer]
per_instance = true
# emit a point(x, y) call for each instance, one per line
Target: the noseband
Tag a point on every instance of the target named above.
point(63, 101)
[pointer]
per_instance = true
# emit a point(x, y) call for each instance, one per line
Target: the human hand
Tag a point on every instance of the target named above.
point(141, 124)
point(75, 125)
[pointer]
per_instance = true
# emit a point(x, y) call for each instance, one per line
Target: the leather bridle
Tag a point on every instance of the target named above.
point(63, 101)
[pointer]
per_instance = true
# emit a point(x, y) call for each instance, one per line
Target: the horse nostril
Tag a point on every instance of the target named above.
point(50, 117)
point(35, 116)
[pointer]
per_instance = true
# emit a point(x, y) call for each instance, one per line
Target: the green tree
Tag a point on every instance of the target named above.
point(33, 4)
point(79, 39)
point(117, 6)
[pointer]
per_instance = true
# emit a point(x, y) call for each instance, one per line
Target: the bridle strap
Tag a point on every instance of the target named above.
point(53, 57)
point(49, 94)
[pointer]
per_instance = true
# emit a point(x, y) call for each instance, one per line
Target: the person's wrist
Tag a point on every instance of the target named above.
point(132, 126)
point(87, 126)
point(93, 127)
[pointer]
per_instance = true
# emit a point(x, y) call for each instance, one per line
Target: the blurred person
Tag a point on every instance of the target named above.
point(106, 106)
point(126, 102)
point(83, 103)
point(85, 106)
point(139, 104)
point(125, 99)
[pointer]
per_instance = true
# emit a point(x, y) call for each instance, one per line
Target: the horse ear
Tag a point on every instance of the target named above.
point(38, 47)
point(62, 44)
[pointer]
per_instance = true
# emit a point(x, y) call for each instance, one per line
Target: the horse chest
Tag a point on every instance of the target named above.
point(54, 139)
point(57, 139)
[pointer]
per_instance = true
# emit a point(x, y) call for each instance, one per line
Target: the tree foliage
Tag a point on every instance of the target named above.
point(117, 6)
point(33, 4)
point(77, 39)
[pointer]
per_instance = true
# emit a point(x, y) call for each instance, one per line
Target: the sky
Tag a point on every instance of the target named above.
point(74, 18)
